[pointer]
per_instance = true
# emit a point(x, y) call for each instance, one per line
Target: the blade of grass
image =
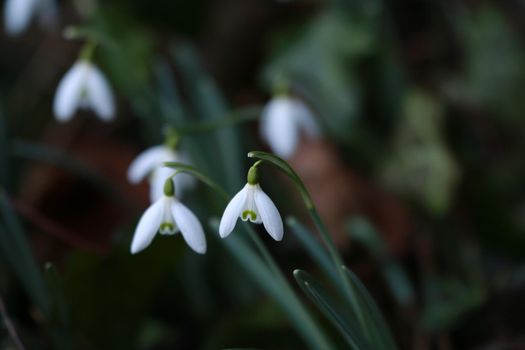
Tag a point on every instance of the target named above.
point(314, 248)
point(282, 294)
point(15, 248)
point(363, 231)
point(347, 326)
point(372, 312)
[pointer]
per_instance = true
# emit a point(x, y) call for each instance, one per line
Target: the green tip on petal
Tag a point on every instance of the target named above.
point(249, 213)
point(169, 188)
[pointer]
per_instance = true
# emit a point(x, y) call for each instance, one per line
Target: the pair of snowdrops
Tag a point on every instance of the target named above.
point(168, 216)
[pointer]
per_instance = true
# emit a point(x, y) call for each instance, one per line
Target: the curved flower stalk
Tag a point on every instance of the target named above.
point(84, 86)
point(251, 203)
point(168, 216)
point(19, 13)
point(283, 120)
point(151, 162)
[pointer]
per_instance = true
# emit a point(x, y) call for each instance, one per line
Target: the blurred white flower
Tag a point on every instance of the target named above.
point(19, 13)
point(84, 86)
point(251, 203)
point(168, 216)
point(150, 163)
point(283, 120)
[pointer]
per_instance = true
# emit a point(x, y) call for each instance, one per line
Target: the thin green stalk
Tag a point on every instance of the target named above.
point(325, 235)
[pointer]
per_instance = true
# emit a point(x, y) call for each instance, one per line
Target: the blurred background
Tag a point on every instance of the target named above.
point(419, 173)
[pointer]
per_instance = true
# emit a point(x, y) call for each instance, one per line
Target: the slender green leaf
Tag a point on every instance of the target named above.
point(281, 293)
point(314, 248)
point(372, 312)
point(363, 232)
point(16, 251)
point(347, 325)
point(209, 104)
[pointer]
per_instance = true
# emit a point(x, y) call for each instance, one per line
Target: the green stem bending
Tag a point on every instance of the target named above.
point(325, 235)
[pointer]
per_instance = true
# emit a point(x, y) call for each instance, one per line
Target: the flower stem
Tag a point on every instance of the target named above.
point(325, 235)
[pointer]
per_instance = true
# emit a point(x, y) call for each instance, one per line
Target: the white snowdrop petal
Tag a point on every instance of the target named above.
point(147, 161)
point(269, 214)
point(190, 227)
point(306, 119)
point(17, 15)
point(279, 127)
point(99, 94)
point(232, 212)
point(157, 180)
point(147, 227)
point(69, 91)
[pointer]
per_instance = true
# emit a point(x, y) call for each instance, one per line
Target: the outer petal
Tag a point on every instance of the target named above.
point(232, 212)
point(69, 91)
point(17, 15)
point(269, 214)
point(190, 227)
point(100, 94)
point(147, 161)
point(157, 181)
point(306, 119)
point(147, 227)
point(279, 127)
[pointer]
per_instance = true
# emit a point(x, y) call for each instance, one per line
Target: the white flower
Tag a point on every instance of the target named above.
point(150, 162)
point(168, 216)
point(19, 13)
point(84, 86)
point(251, 203)
point(283, 119)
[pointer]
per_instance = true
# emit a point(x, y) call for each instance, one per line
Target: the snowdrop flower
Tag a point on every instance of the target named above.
point(19, 13)
point(251, 203)
point(84, 86)
point(283, 119)
point(168, 216)
point(150, 163)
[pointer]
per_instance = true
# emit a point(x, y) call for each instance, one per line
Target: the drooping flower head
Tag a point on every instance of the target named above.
point(168, 216)
point(84, 86)
point(251, 203)
point(19, 13)
point(283, 120)
point(150, 162)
